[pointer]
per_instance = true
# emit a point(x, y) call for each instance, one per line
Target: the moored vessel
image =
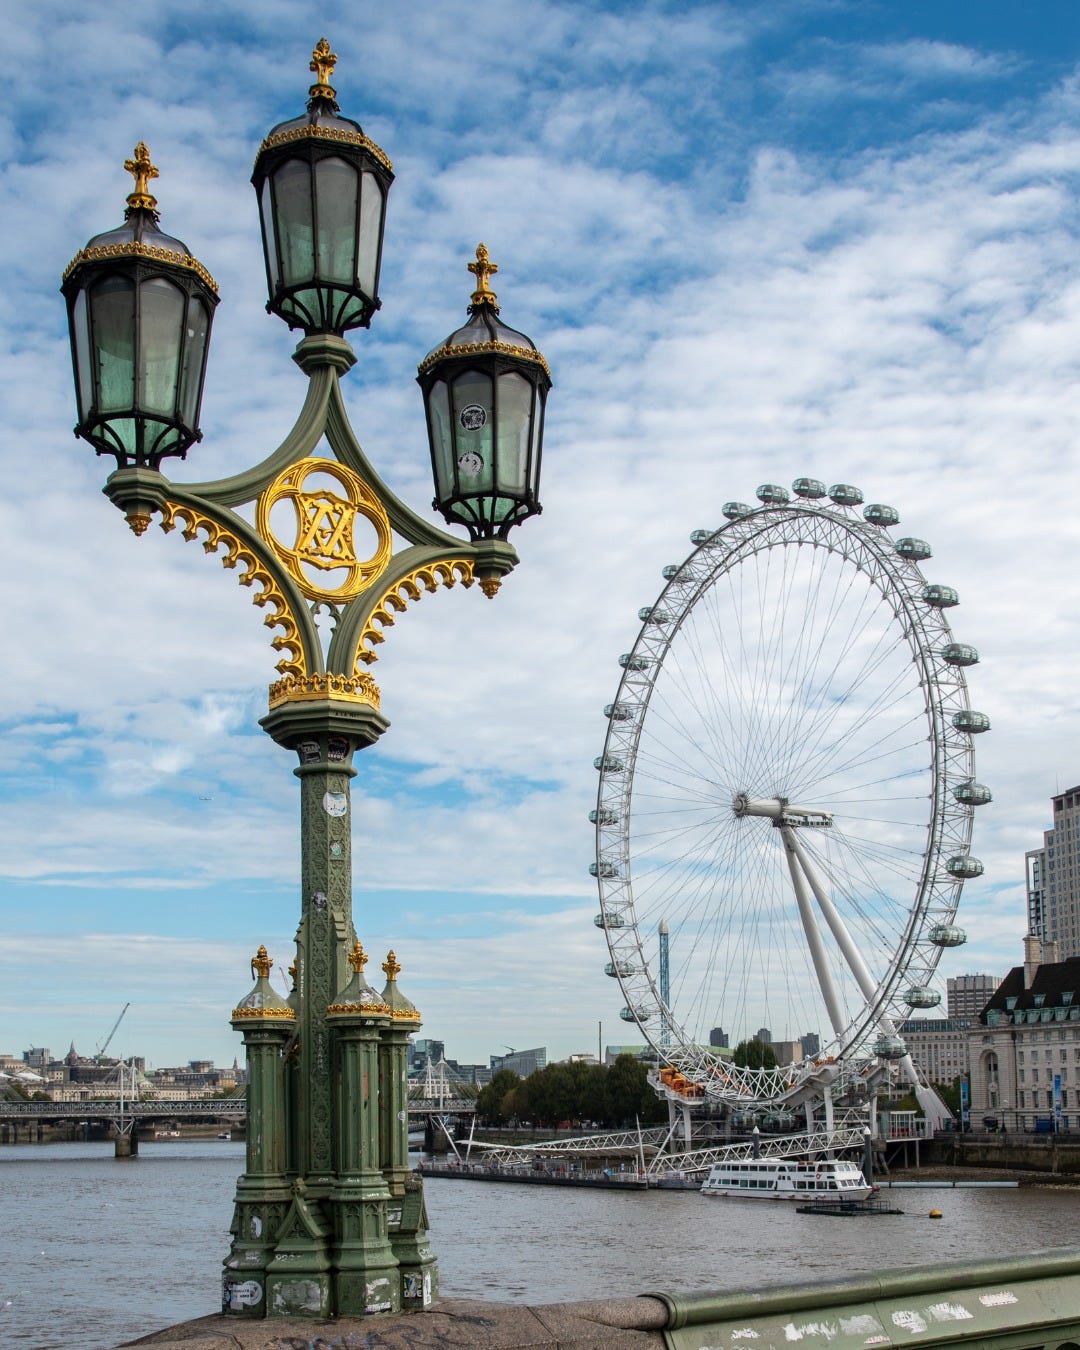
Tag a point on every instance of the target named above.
point(784, 1179)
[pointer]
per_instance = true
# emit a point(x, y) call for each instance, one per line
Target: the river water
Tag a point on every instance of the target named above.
point(94, 1251)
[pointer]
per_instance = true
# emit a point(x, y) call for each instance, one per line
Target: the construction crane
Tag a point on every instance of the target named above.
point(105, 1043)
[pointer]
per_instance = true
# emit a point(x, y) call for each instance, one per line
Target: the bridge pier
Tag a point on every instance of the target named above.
point(126, 1145)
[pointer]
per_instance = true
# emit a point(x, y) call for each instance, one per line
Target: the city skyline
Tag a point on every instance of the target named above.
point(752, 241)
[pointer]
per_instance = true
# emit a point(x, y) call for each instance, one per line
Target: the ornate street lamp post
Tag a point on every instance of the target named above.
point(329, 1218)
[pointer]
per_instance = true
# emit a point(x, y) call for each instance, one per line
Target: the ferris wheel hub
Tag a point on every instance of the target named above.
point(780, 811)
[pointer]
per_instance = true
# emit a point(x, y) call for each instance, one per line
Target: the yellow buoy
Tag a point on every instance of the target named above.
point(935, 1214)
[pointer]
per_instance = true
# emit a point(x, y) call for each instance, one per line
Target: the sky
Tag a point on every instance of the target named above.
point(754, 241)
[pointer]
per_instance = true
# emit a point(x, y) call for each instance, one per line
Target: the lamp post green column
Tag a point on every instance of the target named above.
point(366, 1269)
point(408, 1227)
point(314, 533)
point(262, 1194)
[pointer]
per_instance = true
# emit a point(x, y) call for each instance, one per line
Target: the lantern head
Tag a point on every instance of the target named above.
point(322, 187)
point(484, 389)
point(140, 308)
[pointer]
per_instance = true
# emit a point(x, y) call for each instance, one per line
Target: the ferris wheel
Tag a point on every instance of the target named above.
point(786, 795)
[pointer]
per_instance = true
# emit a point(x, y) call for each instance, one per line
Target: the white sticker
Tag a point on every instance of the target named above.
point(244, 1295)
point(335, 803)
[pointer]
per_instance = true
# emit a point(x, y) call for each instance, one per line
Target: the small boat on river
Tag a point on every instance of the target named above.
point(784, 1179)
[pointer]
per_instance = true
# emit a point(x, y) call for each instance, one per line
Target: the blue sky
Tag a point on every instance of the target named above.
point(753, 241)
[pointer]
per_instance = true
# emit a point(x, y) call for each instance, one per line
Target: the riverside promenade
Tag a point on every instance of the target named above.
point(1031, 1300)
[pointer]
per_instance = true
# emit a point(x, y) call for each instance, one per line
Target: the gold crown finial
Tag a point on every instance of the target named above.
point(358, 958)
point(260, 962)
point(481, 269)
point(323, 61)
point(391, 966)
point(142, 199)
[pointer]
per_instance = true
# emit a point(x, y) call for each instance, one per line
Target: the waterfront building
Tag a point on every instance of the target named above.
point(1025, 1050)
point(645, 1053)
point(938, 1046)
point(1053, 878)
point(787, 1052)
point(521, 1062)
point(967, 995)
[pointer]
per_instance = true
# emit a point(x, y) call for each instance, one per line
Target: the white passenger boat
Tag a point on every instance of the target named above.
point(782, 1179)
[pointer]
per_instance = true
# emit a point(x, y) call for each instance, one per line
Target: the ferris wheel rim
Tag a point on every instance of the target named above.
point(923, 626)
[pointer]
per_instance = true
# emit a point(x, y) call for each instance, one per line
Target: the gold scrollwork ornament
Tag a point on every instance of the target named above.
point(325, 529)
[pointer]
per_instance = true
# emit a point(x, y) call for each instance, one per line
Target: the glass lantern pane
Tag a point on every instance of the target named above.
point(80, 324)
point(473, 432)
point(515, 405)
point(335, 189)
point(292, 193)
point(266, 210)
point(161, 328)
point(371, 211)
point(442, 440)
point(112, 313)
point(198, 326)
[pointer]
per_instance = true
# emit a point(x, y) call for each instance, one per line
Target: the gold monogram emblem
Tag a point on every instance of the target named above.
point(321, 555)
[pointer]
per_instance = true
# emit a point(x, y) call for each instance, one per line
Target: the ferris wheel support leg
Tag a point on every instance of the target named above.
point(852, 955)
point(933, 1108)
point(813, 933)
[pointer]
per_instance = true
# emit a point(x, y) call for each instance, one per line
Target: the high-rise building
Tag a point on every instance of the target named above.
point(764, 1035)
point(811, 1044)
point(968, 995)
point(1053, 878)
point(521, 1062)
point(718, 1037)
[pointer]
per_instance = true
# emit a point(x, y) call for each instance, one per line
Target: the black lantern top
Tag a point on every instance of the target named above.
point(322, 188)
point(485, 388)
point(139, 312)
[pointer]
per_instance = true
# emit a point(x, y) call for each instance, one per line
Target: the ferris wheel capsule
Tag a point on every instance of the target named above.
point(919, 996)
point(843, 494)
point(964, 866)
point(699, 537)
point(639, 1014)
point(809, 488)
point(947, 935)
point(967, 719)
point(617, 968)
point(634, 661)
point(618, 712)
point(609, 764)
point(736, 510)
point(914, 550)
point(889, 1047)
point(959, 654)
point(671, 571)
point(653, 614)
point(772, 494)
point(884, 516)
point(603, 869)
point(940, 597)
point(972, 793)
point(603, 815)
point(613, 920)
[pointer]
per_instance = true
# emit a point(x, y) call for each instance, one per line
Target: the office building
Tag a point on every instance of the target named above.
point(968, 995)
point(1053, 879)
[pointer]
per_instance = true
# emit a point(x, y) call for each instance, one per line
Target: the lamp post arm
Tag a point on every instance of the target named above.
point(411, 573)
point(403, 518)
point(142, 493)
point(301, 440)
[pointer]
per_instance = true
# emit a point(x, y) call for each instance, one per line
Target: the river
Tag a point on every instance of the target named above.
point(94, 1251)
